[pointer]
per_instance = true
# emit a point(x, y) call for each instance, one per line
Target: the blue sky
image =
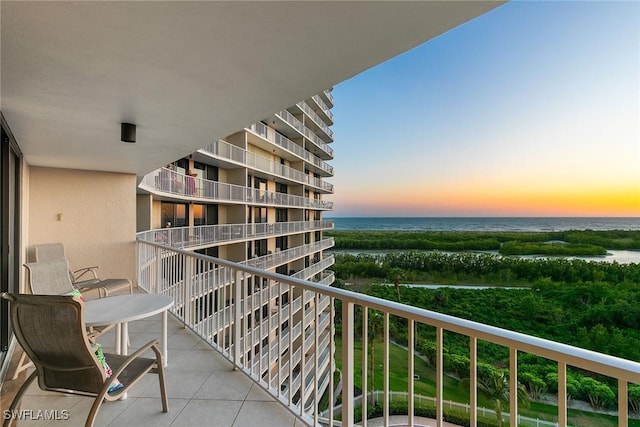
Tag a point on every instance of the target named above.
point(532, 109)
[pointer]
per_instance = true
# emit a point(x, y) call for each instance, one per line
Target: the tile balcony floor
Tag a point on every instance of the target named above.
point(201, 385)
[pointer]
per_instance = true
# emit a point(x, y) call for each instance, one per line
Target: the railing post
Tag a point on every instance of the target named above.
point(139, 249)
point(385, 379)
point(303, 356)
point(623, 403)
point(186, 285)
point(411, 351)
point(439, 376)
point(159, 268)
point(347, 363)
point(473, 381)
point(365, 368)
point(513, 386)
point(562, 394)
point(332, 346)
point(237, 316)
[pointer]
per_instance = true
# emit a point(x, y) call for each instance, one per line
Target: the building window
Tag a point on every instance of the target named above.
point(175, 213)
point(282, 243)
point(282, 188)
point(259, 215)
point(199, 217)
point(282, 215)
point(260, 247)
point(181, 166)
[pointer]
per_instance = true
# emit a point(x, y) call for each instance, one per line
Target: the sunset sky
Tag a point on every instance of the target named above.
point(532, 109)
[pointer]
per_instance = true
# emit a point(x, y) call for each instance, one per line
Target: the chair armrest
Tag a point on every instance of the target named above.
point(82, 271)
point(89, 285)
point(150, 345)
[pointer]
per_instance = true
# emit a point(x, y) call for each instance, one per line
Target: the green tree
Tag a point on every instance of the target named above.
point(374, 330)
point(599, 394)
point(396, 274)
point(496, 384)
point(634, 398)
point(535, 386)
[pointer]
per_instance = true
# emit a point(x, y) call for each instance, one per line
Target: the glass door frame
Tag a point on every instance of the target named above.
point(10, 226)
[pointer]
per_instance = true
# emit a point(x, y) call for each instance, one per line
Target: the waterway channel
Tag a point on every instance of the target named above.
point(619, 256)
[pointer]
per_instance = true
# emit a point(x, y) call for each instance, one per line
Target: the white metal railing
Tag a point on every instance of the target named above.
point(315, 118)
point(211, 294)
point(208, 235)
point(315, 268)
point(280, 140)
point(327, 278)
point(323, 106)
point(171, 182)
point(289, 118)
point(284, 256)
point(224, 150)
point(328, 95)
point(402, 396)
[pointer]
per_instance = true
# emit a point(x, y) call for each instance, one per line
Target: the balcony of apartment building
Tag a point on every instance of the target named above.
point(202, 236)
point(234, 156)
point(287, 348)
point(327, 96)
point(170, 184)
point(276, 367)
point(313, 121)
point(321, 108)
point(292, 127)
point(282, 257)
point(288, 148)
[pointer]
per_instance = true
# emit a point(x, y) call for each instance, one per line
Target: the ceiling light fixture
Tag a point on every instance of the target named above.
point(127, 132)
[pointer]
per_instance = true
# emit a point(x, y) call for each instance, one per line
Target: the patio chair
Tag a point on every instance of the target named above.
point(52, 278)
point(55, 251)
point(51, 330)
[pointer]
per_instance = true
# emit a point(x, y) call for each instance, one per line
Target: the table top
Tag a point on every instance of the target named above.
point(124, 308)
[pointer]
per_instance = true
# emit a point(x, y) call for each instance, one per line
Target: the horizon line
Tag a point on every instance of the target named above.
point(483, 216)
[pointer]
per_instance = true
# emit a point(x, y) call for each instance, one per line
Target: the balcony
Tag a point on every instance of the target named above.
point(285, 143)
point(241, 157)
point(320, 148)
point(202, 236)
point(283, 257)
point(323, 108)
point(210, 375)
point(285, 377)
point(327, 96)
point(317, 121)
point(171, 184)
point(201, 385)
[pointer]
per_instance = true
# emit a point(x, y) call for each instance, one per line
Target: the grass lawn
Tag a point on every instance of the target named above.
point(398, 372)
point(425, 386)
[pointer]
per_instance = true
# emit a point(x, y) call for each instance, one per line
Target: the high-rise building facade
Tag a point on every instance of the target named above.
point(257, 197)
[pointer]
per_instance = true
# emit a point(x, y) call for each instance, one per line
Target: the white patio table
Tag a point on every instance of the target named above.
point(122, 309)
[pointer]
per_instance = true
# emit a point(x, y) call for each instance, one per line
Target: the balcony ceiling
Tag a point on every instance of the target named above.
point(187, 73)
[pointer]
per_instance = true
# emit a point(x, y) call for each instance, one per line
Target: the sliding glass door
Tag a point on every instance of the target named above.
point(10, 173)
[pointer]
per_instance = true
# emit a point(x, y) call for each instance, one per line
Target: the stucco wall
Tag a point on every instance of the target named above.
point(98, 217)
point(145, 212)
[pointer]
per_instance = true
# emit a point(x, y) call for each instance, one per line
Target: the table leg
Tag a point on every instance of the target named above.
point(124, 340)
point(163, 338)
point(118, 339)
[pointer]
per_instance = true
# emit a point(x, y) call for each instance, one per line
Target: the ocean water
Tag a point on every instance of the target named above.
point(485, 224)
